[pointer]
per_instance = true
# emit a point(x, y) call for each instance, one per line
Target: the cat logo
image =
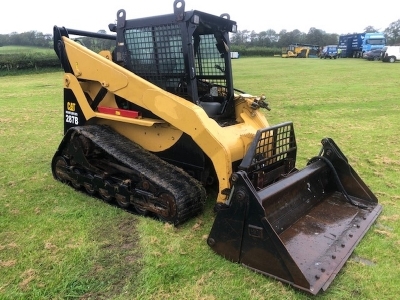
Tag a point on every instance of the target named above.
point(71, 106)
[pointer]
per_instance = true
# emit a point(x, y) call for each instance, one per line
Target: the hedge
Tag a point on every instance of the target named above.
point(21, 61)
point(38, 60)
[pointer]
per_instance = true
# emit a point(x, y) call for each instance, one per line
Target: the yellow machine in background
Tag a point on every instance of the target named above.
point(300, 51)
point(155, 121)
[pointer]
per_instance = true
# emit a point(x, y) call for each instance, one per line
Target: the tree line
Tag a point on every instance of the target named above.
point(38, 39)
point(245, 38)
point(271, 38)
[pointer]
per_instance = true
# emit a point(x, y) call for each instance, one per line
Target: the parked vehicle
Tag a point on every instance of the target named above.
point(373, 54)
point(390, 54)
point(330, 51)
point(235, 55)
point(300, 50)
point(356, 44)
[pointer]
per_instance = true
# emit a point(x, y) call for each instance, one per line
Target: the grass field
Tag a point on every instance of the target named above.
point(26, 50)
point(56, 243)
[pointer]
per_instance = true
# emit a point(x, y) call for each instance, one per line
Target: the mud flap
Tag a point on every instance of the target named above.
point(300, 229)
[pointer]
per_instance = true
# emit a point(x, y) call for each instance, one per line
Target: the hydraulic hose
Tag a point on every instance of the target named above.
point(337, 180)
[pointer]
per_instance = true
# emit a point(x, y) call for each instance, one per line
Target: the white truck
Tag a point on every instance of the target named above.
point(234, 54)
point(390, 54)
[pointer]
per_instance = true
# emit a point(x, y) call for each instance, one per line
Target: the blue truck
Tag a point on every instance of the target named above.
point(354, 45)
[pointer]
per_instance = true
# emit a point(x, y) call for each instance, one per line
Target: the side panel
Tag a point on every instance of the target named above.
point(351, 44)
point(73, 115)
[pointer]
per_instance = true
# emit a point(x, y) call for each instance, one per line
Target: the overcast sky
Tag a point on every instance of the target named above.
point(330, 16)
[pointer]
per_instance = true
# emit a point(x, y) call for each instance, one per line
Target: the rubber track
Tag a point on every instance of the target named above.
point(188, 192)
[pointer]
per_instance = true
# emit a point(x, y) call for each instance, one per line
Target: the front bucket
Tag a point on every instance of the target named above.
point(302, 228)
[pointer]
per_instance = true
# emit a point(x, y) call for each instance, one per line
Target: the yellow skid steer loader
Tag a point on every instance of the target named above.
point(153, 120)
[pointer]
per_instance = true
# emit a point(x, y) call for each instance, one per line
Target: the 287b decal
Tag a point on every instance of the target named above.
point(72, 119)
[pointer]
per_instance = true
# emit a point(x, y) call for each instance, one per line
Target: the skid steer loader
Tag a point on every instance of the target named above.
point(153, 121)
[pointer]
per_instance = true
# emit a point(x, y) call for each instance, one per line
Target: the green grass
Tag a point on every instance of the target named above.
point(56, 243)
point(25, 50)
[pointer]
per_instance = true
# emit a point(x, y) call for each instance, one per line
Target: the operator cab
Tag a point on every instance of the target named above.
point(184, 53)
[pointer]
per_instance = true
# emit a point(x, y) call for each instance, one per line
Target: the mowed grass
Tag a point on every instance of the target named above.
point(25, 50)
point(56, 243)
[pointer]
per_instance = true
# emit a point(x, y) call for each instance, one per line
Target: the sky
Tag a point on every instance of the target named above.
point(89, 15)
